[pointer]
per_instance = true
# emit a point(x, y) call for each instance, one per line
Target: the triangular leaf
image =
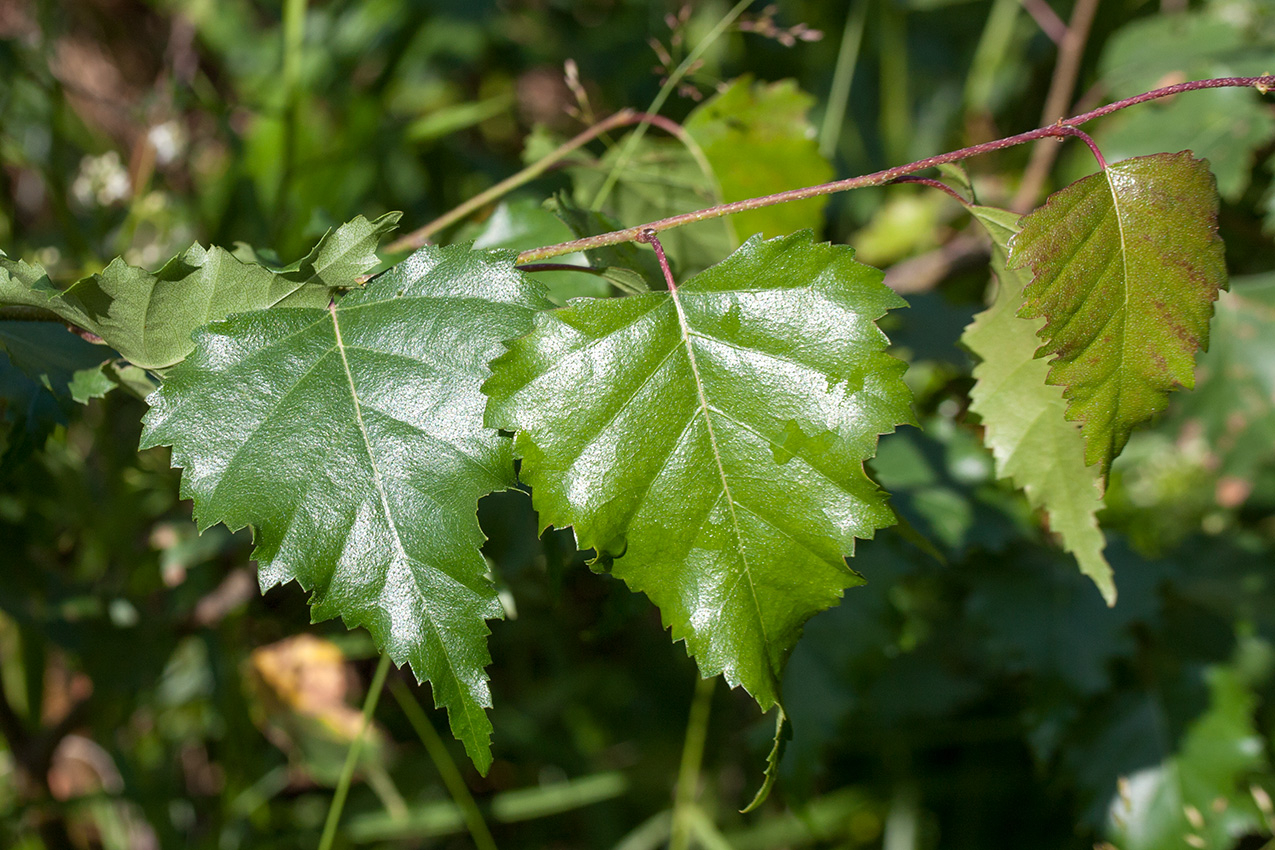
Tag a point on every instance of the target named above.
point(149, 316)
point(351, 438)
point(1126, 266)
point(1024, 418)
point(711, 440)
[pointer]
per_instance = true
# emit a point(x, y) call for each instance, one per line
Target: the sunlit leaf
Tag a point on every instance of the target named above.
point(711, 441)
point(1024, 418)
point(758, 140)
point(351, 439)
point(1126, 266)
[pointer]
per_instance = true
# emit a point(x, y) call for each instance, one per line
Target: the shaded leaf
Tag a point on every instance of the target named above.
point(521, 224)
point(711, 441)
point(1198, 793)
point(625, 256)
point(1234, 399)
point(1024, 418)
point(39, 365)
point(1225, 126)
point(660, 179)
point(1126, 266)
point(351, 439)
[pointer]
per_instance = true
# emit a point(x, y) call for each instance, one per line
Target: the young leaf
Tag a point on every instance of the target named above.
point(1024, 418)
point(711, 440)
point(351, 438)
point(149, 316)
point(1126, 266)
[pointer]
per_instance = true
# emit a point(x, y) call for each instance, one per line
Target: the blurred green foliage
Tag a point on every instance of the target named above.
point(975, 693)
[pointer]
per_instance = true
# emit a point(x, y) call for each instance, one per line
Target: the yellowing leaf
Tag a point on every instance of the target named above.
point(1126, 266)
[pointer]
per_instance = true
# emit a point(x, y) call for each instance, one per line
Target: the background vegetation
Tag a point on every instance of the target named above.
point(975, 693)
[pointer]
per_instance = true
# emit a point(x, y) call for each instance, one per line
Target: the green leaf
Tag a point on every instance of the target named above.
point(351, 438)
point(639, 261)
point(1126, 266)
point(1233, 404)
point(661, 179)
point(711, 441)
point(149, 316)
point(1175, 803)
point(1226, 126)
point(759, 140)
point(521, 224)
point(1024, 418)
point(39, 366)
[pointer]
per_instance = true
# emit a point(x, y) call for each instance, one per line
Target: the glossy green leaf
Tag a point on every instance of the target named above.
point(1126, 266)
point(351, 439)
point(758, 139)
point(1024, 419)
point(711, 441)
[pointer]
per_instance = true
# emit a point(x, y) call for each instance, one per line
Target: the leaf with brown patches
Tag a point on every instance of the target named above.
point(1126, 265)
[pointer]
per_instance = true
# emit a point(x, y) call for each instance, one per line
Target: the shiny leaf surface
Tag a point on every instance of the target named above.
point(710, 441)
point(351, 439)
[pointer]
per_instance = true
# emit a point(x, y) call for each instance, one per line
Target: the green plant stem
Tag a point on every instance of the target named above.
point(673, 81)
point(688, 773)
point(879, 178)
point(352, 757)
point(842, 78)
point(445, 766)
point(293, 44)
point(623, 118)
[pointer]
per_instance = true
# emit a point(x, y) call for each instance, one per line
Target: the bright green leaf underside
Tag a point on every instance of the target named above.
point(711, 441)
point(1024, 418)
point(351, 439)
point(1127, 264)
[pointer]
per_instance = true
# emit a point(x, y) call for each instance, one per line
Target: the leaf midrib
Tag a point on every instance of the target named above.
point(379, 482)
point(717, 458)
point(1124, 326)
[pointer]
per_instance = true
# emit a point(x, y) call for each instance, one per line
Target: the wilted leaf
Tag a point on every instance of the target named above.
point(711, 441)
point(1126, 266)
point(351, 439)
point(1024, 418)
